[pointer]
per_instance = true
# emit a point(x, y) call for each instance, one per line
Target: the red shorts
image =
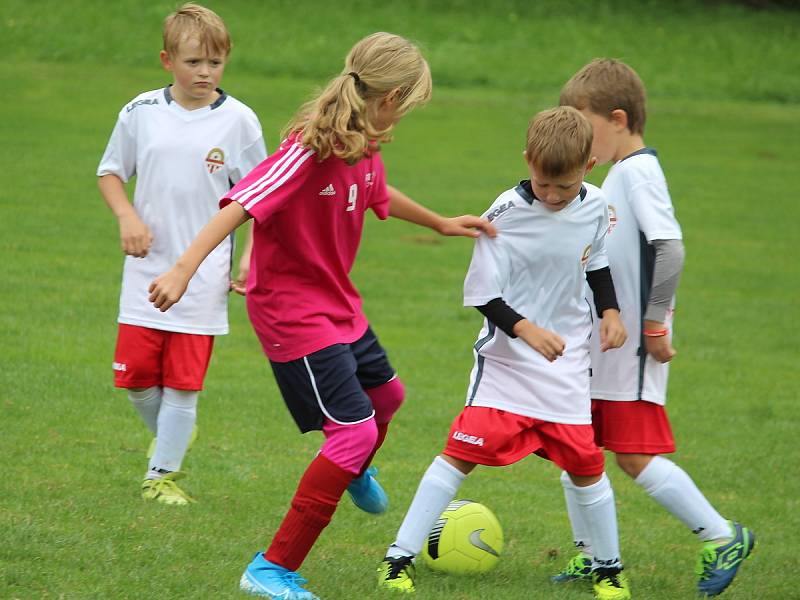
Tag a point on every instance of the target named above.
point(488, 436)
point(151, 357)
point(635, 427)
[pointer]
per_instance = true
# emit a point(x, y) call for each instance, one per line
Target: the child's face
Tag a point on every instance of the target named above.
point(606, 136)
point(196, 74)
point(557, 192)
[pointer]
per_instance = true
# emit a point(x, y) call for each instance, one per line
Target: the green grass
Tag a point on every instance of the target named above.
point(72, 451)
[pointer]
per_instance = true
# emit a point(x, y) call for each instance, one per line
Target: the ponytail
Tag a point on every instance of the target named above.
point(341, 120)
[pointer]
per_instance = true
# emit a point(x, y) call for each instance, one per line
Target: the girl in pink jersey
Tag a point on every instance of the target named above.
point(308, 202)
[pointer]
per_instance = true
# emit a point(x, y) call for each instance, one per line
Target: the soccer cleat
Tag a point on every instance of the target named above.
point(264, 578)
point(367, 494)
point(165, 490)
point(397, 573)
point(610, 584)
point(719, 563)
point(151, 449)
point(579, 568)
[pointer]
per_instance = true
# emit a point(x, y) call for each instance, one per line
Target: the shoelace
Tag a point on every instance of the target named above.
point(171, 485)
point(706, 562)
point(396, 565)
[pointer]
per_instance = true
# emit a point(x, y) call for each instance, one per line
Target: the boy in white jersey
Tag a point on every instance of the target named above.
point(186, 144)
point(529, 387)
point(645, 253)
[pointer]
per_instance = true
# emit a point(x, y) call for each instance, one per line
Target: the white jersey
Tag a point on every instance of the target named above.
point(184, 162)
point(641, 211)
point(537, 264)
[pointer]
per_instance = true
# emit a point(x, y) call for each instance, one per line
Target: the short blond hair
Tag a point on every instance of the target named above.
point(341, 119)
point(559, 141)
point(195, 21)
point(605, 85)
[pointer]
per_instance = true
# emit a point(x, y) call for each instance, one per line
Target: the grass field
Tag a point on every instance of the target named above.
point(723, 115)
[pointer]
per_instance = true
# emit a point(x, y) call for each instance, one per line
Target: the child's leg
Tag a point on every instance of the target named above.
point(176, 420)
point(436, 489)
point(595, 501)
point(672, 488)
point(386, 400)
point(147, 402)
point(312, 508)
point(580, 529)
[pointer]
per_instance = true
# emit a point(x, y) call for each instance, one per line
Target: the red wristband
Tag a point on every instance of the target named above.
point(655, 332)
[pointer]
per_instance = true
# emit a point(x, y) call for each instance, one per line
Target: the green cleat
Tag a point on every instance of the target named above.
point(166, 491)
point(579, 568)
point(397, 573)
point(719, 563)
point(610, 584)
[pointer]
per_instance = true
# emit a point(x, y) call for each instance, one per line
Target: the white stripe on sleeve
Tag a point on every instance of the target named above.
point(287, 171)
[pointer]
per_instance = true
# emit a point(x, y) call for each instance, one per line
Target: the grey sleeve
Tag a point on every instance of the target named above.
point(666, 273)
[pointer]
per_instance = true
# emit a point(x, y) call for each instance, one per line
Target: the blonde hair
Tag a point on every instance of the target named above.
point(559, 141)
point(341, 119)
point(195, 21)
point(605, 85)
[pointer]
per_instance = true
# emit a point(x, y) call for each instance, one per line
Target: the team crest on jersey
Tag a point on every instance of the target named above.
point(368, 179)
point(612, 218)
point(585, 255)
point(215, 160)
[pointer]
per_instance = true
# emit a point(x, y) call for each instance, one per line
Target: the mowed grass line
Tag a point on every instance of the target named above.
point(72, 522)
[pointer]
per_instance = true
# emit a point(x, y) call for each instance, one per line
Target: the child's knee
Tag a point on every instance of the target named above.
point(386, 399)
point(633, 464)
point(349, 445)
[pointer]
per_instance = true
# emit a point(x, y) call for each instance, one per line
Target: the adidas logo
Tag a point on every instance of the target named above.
point(328, 191)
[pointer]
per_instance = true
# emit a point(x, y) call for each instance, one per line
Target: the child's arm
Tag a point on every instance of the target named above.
point(612, 331)
point(239, 285)
point(669, 257)
point(168, 288)
point(403, 207)
point(135, 238)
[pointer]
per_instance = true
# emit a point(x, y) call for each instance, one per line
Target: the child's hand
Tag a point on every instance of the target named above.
point(135, 237)
point(168, 288)
point(660, 347)
point(544, 341)
point(612, 331)
point(467, 225)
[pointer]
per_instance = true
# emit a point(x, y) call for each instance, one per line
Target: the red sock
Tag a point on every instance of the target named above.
point(382, 429)
point(313, 505)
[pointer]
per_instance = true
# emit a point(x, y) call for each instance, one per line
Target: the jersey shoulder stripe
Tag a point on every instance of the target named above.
point(277, 174)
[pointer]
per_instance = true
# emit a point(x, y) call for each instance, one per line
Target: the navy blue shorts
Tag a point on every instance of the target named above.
point(330, 383)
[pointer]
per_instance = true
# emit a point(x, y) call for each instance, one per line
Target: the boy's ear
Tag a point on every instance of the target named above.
point(166, 61)
point(590, 165)
point(620, 118)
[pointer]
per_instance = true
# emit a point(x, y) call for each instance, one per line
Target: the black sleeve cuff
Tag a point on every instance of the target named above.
point(602, 289)
point(502, 315)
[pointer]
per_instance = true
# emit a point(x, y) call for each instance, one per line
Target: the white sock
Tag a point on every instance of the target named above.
point(580, 531)
point(437, 488)
point(672, 488)
point(596, 505)
point(175, 422)
point(147, 403)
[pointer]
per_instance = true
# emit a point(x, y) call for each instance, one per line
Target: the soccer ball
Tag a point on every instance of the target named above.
point(467, 538)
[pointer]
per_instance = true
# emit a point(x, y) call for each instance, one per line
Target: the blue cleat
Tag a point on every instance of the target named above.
point(719, 563)
point(263, 578)
point(367, 494)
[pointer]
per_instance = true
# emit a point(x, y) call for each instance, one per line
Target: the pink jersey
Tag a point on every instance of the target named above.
point(309, 216)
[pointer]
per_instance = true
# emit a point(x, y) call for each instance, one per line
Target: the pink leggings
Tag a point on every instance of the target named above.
point(350, 446)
